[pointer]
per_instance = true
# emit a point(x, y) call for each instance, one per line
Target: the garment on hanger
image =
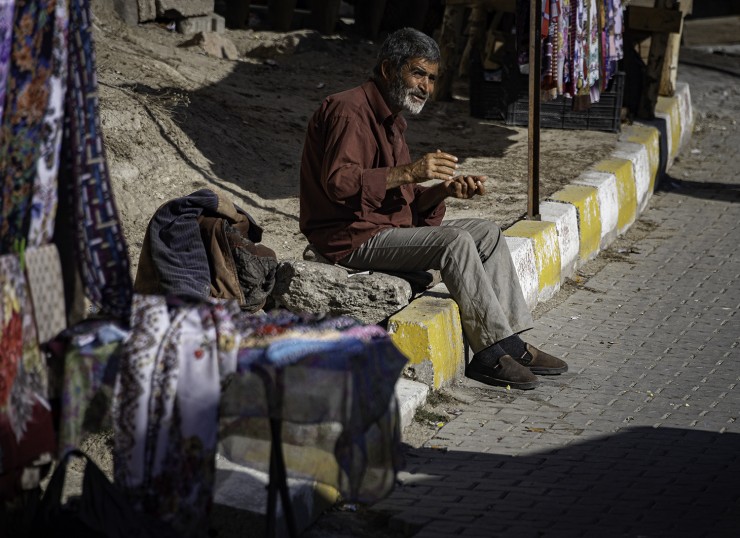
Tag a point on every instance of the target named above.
point(44, 199)
point(7, 8)
point(166, 404)
point(25, 105)
point(84, 182)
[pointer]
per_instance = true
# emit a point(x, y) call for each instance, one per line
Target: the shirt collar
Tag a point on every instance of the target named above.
point(377, 102)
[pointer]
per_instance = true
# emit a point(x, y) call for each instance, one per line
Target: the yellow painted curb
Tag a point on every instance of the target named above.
point(626, 190)
point(546, 250)
point(669, 107)
point(429, 333)
point(586, 200)
point(649, 137)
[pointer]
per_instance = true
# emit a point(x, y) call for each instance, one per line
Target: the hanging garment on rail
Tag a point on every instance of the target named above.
point(44, 199)
point(84, 183)
point(26, 100)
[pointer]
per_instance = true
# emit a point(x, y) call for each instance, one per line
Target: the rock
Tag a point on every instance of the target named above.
point(147, 10)
point(205, 23)
point(303, 286)
point(213, 45)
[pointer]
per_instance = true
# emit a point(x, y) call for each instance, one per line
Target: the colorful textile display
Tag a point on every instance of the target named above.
point(84, 180)
point(44, 201)
point(44, 275)
point(86, 357)
point(331, 383)
point(194, 373)
point(6, 32)
point(26, 432)
point(25, 106)
point(581, 45)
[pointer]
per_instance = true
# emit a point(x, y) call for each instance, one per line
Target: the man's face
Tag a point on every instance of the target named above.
point(412, 85)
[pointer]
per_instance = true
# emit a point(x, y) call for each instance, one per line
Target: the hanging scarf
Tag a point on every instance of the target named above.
point(166, 407)
point(23, 120)
point(6, 33)
point(44, 204)
point(84, 179)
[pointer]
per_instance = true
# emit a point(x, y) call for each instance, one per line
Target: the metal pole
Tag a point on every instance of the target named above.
point(533, 139)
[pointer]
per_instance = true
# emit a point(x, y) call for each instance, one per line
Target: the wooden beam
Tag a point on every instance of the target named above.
point(508, 6)
point(451, 25)
point(533, 134)
point(651, 19)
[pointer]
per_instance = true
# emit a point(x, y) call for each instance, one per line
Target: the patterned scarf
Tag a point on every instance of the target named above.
point(84, 179)
point(23, 120)
point(44, 204)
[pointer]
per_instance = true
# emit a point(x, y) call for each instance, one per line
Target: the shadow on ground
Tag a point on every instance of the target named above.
point(641, 481)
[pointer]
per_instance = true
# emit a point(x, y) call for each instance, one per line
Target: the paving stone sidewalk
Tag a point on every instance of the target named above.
point(641, 436)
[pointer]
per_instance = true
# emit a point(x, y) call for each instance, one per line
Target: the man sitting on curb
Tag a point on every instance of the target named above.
point(362, 206)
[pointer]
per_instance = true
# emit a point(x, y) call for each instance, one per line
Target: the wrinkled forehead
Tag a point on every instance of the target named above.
point(418, 63)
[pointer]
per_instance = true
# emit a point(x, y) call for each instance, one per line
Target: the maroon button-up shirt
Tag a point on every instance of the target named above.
point(352, 141)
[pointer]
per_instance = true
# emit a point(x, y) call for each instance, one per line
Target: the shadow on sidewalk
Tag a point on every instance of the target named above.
point(641, 481)
point(709, 190)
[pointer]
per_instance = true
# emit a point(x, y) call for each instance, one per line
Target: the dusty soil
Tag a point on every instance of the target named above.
point(176, 120)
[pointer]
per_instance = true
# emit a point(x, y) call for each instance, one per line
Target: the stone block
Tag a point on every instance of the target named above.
point(606, 195)
point(637, 154)
point(303, 286)
point(205, 23)
point(589, 219)
point(649, 138)
point(626, 190)
point(546, 246)
point(429, 333)
point(522, 254)
point(565, 218)
point(147, 10)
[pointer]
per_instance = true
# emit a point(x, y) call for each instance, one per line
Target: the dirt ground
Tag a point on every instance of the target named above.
point(175, 120)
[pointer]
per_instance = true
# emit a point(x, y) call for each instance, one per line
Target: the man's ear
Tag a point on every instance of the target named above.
point(386, 70)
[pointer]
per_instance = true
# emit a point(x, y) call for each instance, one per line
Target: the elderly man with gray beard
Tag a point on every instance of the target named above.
point(362, 206)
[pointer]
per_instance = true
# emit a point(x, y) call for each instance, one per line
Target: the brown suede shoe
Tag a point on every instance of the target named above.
point(542, 363)
point(502, 372)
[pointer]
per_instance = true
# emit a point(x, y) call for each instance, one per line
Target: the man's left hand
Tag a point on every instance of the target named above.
point(466, 186)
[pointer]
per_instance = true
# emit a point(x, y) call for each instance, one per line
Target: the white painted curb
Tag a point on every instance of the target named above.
point(606, 194)
point(522, 253)
point(411, 395)
point(565, 217)
point(637, 154)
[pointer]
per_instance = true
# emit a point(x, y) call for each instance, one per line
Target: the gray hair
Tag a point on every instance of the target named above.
point(403, 44)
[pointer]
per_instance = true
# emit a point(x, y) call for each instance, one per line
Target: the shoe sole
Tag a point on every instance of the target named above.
point(548, 371)
point(488, 380)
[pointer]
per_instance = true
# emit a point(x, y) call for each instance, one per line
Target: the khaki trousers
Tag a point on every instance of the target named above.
point(475, 264)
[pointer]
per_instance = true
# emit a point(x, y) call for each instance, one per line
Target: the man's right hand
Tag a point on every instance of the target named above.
point(437, 165)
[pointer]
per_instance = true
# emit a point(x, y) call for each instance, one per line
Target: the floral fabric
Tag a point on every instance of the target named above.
point(89, 355)
point(26, 433)
point(166, 411)
point(193, 373)
point(6, 33)
point(22, 123)
point(44, 201)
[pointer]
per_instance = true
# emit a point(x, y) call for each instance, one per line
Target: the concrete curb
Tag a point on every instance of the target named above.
point(578, 222)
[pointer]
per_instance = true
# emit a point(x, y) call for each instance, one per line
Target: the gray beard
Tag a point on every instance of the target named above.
point(402, 97)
